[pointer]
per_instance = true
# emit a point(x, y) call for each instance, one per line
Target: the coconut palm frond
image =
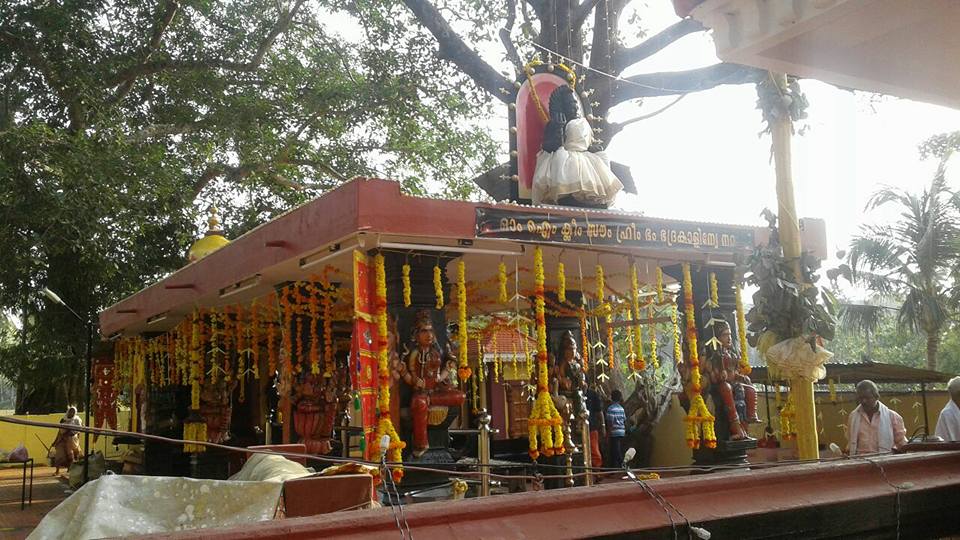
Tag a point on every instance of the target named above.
point(862, 318)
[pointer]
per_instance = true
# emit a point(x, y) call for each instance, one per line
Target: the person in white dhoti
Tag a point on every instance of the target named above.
point(873, 427)
point(567, 170)
point(948, 425)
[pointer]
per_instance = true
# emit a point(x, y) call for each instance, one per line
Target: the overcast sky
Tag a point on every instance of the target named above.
point(702, 159)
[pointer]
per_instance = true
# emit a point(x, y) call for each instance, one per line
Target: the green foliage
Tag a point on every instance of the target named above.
point(783, 306)
point(120, 122)
point(914, 258)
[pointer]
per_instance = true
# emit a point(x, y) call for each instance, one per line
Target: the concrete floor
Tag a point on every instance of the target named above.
point(48, 492)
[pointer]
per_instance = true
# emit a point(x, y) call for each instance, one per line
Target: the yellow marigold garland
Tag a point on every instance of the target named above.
point(561, 284)
point(464, 370)
point(385, 425)
point(639, 363)
point(545, 425)
point(255, 338)
point(699, 417)
point(496, 357)
point(742, 334)
point(714, 290)
point(833, 390)
point(314, 336)
point(406, 284)
point(654, 357)
point(583, 341)
point(674, 320)
point(601, 285)
point(502, 281)
point(659, 285)
point(438, 286)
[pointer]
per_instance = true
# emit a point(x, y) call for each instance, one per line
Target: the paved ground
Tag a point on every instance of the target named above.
point(47, 493)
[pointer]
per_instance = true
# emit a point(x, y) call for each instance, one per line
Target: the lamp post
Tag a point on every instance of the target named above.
point(86, 378)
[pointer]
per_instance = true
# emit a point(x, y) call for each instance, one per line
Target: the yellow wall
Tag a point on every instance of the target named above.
point(670, 446)
point(832, 417)
point(13, 434)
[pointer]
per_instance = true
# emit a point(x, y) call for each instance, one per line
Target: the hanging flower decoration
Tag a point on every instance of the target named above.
point(406, 284)
point(561, 284)
point(496, 357)
point(464, 370)
point(674, 321)
point(639, 363)
point(654, 356)
point(385, 425)
point(745, 368)
point(833, 390)
point(502, 281)
point(714, 291)
point(698, 417)
point(329, 364)
point(583, 341)
point(601, 285)
point(659, 286)
point(314, 336)
point(544, 425)
point(194, 428)
point(255, 338)
point(438, 286)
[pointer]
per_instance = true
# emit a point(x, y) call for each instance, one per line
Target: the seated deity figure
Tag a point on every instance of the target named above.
point(737, 395)
point(429, 372)
point(566, 167)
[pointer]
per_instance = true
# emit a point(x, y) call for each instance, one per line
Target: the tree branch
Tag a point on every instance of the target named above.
point(671, 83)
point(160, 27)
point(656, 43)
point(157, 66)
point(505, 32)
point(454, 49)
point(69, 97)
point(582, 12)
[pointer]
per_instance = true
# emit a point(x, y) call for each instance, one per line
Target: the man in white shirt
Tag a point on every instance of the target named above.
point(948, 426)
point(873, 427)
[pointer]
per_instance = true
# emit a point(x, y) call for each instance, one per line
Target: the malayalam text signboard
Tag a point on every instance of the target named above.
point(608, 231)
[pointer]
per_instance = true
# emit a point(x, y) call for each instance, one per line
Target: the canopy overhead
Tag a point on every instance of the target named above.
point(373, 214)
point(877, 372)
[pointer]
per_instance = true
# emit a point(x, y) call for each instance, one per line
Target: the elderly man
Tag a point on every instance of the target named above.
point(873, 427)
point(948, 426)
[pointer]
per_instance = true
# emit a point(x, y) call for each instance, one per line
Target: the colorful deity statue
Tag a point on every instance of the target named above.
point(738, 397)
point(429, 371)
point(567, 383)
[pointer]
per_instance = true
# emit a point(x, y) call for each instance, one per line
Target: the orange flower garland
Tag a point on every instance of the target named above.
point(699, 417)
point(385, 425)
point(745, 368)
point(255, 338)
point(329, 363)
point(314, 337)
point(464, 370)
point(544, 425)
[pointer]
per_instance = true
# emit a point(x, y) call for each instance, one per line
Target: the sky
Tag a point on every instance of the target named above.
point(703, 160)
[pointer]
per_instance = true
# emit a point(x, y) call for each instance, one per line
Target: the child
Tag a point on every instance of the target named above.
point(616, 428)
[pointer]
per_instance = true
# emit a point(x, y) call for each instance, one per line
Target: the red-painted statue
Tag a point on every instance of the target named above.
point(739, 397)
point(105, 395)
point(429, 372)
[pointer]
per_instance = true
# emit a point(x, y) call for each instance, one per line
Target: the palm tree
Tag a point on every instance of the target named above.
point(913, 258)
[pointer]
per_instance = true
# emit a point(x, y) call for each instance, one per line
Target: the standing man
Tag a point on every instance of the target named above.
point(616, 428)
point(948, 426)
point(873, 427)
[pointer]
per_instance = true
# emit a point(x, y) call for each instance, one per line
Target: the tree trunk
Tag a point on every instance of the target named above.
point(933, 343)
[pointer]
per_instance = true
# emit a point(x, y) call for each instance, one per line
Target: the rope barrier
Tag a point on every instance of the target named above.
point(584, 471)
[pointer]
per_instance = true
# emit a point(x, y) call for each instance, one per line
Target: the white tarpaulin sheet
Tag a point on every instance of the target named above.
point(118, 505)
